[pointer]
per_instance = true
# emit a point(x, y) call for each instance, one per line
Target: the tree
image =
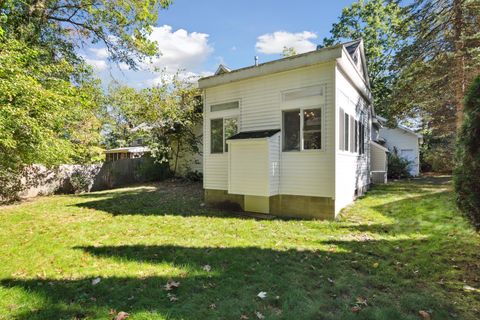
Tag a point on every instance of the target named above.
point(125, 111)
point(442, 56)
point(170, 112)
point(175, 110)
point(62, 25)
point(288, 51)
point(382, 26)
point(48, 113)
point(466, 174)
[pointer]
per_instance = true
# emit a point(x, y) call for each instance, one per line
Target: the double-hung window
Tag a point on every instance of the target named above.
point(302, 129)
point(222, 128)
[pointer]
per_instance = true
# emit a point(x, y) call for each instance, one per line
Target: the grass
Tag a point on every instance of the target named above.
point(399, 250)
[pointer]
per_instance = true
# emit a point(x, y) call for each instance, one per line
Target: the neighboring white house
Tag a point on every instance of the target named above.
point(289, 137)
point(405, 141)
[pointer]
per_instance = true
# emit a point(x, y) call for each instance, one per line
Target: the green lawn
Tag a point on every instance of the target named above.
point(400, 250)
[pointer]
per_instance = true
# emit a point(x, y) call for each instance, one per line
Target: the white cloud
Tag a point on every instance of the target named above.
point(97, 64)
point(180, 49)
point(100, 53)
point(272, 43)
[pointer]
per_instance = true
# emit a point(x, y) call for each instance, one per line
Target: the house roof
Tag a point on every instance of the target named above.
point(383, 121)
point(288, 63)
point(128, 150)
point(254, 134)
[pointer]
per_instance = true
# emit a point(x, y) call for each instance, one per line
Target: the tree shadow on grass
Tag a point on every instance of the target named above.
point(321, 284)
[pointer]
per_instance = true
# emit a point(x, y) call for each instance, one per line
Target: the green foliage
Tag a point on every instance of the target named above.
point(435, 67)
point(123, 26)
point(397, 166)
point(467, 171)
point(170, 113)
point(382, 26)
point(150, 170)
point(288, 51)
point(44, 118)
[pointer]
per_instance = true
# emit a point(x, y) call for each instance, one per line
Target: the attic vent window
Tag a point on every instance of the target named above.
point(224, 106)
point(303, 93)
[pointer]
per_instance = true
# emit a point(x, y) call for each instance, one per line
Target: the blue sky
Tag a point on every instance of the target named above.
point(198, 35)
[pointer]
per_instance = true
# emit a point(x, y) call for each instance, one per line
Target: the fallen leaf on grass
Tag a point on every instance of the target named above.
point(259, 315)
point(330, 280)
point(356, 309)
point(171, 284)
point(121, 316)
point(244, 317)
point(262, 295)
point(96, 281)
point(172, 297)
point(424, 314)
point(469, 288)
point(213, 306)
point(362, 301)
point(207, 268)
point(375, 265)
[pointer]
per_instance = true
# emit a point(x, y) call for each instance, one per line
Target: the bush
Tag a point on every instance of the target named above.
point(81, 180)
point(194, 176)
point(10, 185)
point(467, 171)
point(397, 166)
point(150, 170)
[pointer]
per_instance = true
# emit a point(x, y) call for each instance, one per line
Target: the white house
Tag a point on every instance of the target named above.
point(405, 141)
point(289, 137)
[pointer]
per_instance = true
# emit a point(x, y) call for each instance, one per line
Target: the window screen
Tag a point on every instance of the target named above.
point(216, 135)
point(291, 130)
point(312, 129)
point(341, 130)
point(231, 128)
point(224, 106)
point(347, 131)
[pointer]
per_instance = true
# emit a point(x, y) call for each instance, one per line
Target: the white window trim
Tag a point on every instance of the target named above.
point(322, 129)
point(237, 116)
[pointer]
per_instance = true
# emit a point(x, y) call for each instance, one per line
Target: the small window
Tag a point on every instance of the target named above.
point(224, 106)
point(312, 129)
point(341, 130)
point(216, 135)
point(291, 130)
point(231, 128)
point(347, 131)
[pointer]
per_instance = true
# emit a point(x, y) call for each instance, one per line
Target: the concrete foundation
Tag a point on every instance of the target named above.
point(281, 205)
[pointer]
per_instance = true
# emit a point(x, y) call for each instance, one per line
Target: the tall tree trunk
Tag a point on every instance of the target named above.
point(459, 75)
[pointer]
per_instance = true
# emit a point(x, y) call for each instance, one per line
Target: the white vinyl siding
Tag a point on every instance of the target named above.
point(351, 166)
point(405, 140)
point(262, 102)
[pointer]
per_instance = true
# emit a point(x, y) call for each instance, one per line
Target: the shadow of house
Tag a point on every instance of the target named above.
point(335, 278)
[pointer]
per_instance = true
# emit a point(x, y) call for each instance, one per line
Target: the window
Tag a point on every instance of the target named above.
point(355, 148)
point(361, 140)
point(312, 129)
point(231, 128)
point(220, 130)
point(216, 135)
point(347, 131)
point(291, 130)
point(224, 106)
point(341, 130)
point(302, 129)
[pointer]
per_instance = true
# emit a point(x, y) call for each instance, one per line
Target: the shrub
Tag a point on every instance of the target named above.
point(467, 171)
point(150, 170)
point(81, 181)
point(194, 176)
point(10, 185)
point(397, 166)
